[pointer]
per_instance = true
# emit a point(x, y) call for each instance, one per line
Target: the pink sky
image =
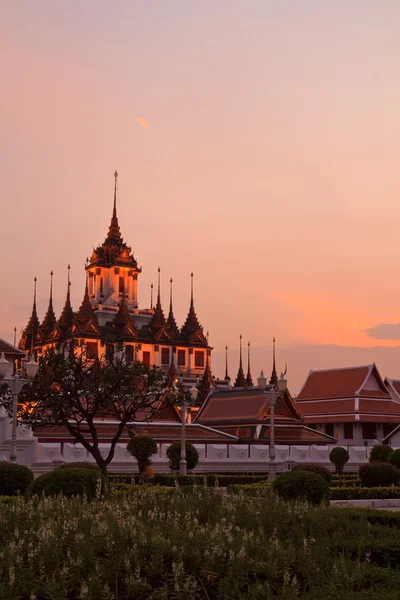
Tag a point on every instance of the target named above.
point(270, 167)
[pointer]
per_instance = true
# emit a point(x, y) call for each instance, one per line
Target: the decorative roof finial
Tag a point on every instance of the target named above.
point(51, 287)
point(172, 326)
point(34, 294)
point(151, 296)
point(115, 195)
point(159, 286)
point(69, 269)
point(15, 336)
point(274, 375)
point(240, 379)
point(249, 380)
point(67, 315)
point(226, 364)
point(191, 290)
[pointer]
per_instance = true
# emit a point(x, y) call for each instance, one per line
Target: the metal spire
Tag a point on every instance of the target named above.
point(240, 379)
point(274, 375)
point(226, 363)
point(151, 296)
point(249, 380)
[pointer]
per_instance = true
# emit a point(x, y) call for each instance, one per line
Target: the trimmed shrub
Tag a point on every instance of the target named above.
point(211, 479)
point(79, 465)
point(364, 493)
point(70, 482)
point(14, 479)
point(142, 447)
point(339, 457)
point(301, 485)
point(379, 474)
point(323, 471)
point(394, 458)
point(380, 453)
point(174, 456)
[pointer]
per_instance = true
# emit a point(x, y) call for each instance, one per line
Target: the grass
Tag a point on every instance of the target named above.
point(159, 545)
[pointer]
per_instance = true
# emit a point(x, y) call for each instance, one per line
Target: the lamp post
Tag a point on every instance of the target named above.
point(274, 395)
point(184, 399)
point(15, 384)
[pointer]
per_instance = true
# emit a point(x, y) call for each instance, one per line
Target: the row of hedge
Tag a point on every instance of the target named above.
point(210, 479)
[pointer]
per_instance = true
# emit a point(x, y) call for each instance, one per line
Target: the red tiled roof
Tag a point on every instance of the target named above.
point(320, 407)
point(333, 383)
point(342, 383)
point(10, 351)
point(379, 406)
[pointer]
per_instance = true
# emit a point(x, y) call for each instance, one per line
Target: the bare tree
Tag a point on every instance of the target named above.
point(77, 392)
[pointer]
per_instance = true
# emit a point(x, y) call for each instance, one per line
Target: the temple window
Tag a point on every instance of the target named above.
point(348, 431)
point(181, 358)
point(121, 285)
point(129, 354)
point(198, 359)
point(368, 431)
point(165, 356)
point(146, 359)
point(91, 349)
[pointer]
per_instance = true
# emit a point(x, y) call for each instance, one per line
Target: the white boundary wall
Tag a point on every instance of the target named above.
point(213, 457)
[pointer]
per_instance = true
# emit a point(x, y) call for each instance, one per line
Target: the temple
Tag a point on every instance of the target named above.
point(109, 316)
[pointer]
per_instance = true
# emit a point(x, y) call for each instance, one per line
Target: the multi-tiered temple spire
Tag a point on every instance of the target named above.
point(50, 318)
point(85, 320)
point(192, 325)
point(158, 320)
point(29, 334)
point(240, 379)
point(173, 328)
point(249, 380)
point(274, 375)
point(227, 378)
point(67, 315)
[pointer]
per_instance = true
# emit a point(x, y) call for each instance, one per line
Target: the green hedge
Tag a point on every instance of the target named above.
point(70, 482)
point(14, 479)
point(211, 479)
point(345, 483)
point(250, 489)
point(364, 493)
point(301, 485)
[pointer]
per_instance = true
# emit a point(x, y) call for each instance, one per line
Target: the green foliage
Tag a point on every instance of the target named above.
point(320, 470)
point(14, 479)
point(158, 544)
point(142, 447)
point(301, 485)
point(78, 465)
point(174, 456)
point(380, 453)
point(364, 493)
point(339, 457)
point(378, 474)
point(250, 489)
point(345, 483)
point(70, 482)
point(209, 479)
point(394, 458)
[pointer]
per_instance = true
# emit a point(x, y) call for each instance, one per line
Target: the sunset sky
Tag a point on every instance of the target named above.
point(257, 145)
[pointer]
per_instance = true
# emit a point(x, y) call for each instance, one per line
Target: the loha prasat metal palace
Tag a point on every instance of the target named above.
point(110, 315)
point(230, 425)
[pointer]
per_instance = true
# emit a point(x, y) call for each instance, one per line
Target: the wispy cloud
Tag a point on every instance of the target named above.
point(384, 331)
point(142, 122)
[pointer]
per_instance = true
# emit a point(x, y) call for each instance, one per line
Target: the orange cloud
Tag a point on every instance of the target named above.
point(142, 122)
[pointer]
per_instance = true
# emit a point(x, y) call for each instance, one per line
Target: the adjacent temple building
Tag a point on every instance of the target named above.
point(110, 315)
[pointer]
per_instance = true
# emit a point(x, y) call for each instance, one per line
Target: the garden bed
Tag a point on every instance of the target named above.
point(154, 545)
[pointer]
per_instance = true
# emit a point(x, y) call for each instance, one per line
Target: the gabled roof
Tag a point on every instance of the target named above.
point(345, 382)
point(9, 350)
point(245, 405)
point(393, 385)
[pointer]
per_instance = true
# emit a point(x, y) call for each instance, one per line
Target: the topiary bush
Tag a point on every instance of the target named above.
point(320, 470)
point(394, 458)
point(79, 465)
point(380, 453)
point(70, 482)
point(301, 485)
point(379, 474)
point(14, 479)
point(174, 456)
point(339, 457)
point(142, 447)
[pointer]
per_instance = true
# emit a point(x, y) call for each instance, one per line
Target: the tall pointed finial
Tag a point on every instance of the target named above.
point(274, 375)
point(34, 293)
point(69, 269)
point(159, 286)
point(240, 379)
point(249, 380)
point(191, 289)
point(51, 286)
point(170, 294)
point(226, 363)
point(115, 194)
point(15, 336)
point(151, 296)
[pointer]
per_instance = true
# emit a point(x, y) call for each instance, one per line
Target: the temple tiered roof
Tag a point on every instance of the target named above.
point(29, 334)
